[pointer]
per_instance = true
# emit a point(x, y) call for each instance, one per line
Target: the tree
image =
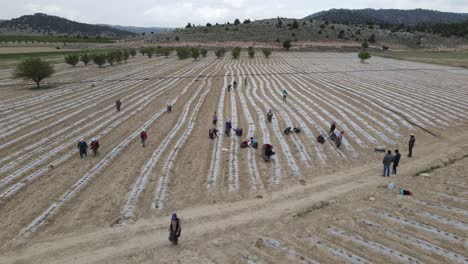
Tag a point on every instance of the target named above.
point(72, 59)
point(149, 52)
point(287, 44)
point(195, 53)
point(364, 55)
point(99, 59)
point(235, 52)
point(364, 44)
point(372, 38)
point(188, 25)
point(132, 52)
point(85, 58)
point(125, 54)
point(266, 52)
point(341, 35)
point(203, 52)
point(220, 52)
point(177, 38)
point(251, 52)
point(166, 51)
point(247, 21)
point(110, 57)
point(143, 51)
point(118, 56)
point(34, 69)
point(208, 24)
point(236, 22)
point(295, 25)
point(182, 52)
point(279, 23)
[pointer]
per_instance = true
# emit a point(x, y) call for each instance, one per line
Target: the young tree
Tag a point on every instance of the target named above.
point(149, 51)
point(287, 44)
point(118, 56)
point(125, 54)
point(72, 59)
point(166, 51)
point(220, 52)
point(188, 25)
point(251, 52)
point(110, 57)
point(237, 22)
point(203, 52)
point(365, 45)
point(132, 53)
point(143, 51)
point(295, 25)
point(177, 38)
point(34, 69)
point(85, 58)
point(195, 53)
point(235, 53)
point(279, 23)
point(247, 21)
point(266, 52)
point(208, 24)
point(99, 59)
point(182, 52)
point(364, 55)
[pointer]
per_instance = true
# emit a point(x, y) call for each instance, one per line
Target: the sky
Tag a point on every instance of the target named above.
point(177, 13)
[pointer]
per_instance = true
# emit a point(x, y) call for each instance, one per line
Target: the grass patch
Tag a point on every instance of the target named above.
point(449, 58)
point(313, 207)
point(53, 39)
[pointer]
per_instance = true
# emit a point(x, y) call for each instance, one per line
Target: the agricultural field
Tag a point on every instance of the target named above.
point(313, 203)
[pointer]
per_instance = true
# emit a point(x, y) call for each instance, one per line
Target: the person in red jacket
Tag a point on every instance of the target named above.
point(95, 146)
point(143, 137)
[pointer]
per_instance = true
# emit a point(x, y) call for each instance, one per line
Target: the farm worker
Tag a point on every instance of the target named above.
point(234, 84)
point(118, 104)
point(387, 161)
point(169, 107)
point(296, 130)
point(339, 139)
point(269, 116)
point(229, 88)
point(268, 151)
point(287, 131)
point(253, 143)
point(143, 137)
point(411, 145)
point(83, 148)
point(238, 131)
point(227, 131)
point(320, 139)
point(396, 160)
point(175, 228)
point(245, 81)
point(213, 132)
point(94, 146)
point(332, 127)
point(285, 94)
point(215, 119)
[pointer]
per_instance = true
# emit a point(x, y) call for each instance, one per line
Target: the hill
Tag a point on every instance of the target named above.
point(42, 24)
point(388, 16)
point(140, 30)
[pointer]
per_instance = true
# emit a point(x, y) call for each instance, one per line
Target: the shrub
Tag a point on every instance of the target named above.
point(203, 52)
point(237, 22)
point(372, 38)
point(364, 55)
point(182, 52)
point(99, 59)
point(385, 48)
point(251, 52)
point(72, 59)
point(85, 58)
point(34, 69)
point(177, 38)
point(118, 56)
point(132, 52)
point(195, 53)
point(220, 52)
point(125, 55)
point(149, 52)
point(266, 52)
point(295, 25)
point(208, 24)
point(110, 57)
point(166, 51)
point(143, 51)
point(235, 52)
point(364, 44)
point(247, 21)
point(287, 44)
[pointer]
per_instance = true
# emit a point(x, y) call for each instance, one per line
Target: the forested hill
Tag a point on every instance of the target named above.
point(388, 16)
point(42, 24)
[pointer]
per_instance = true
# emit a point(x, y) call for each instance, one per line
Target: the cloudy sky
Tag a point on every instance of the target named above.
point(176, 13)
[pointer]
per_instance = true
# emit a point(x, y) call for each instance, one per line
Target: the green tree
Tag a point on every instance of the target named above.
point(295, 25)
point(34, 69)
point(182, 52)
point(364, 55)
point(143, 51)
point(287, 44)
point(372, 38)
point(251, 52)
point(235, 52)
point(118, 56)
point(99, 59)
point(195, 53)
point(85, 58)
point(125, 54)
point(364, 44)
point(220, 52)
point(237, 22)
point(132, 53)
point(110, 57)
point(208, 24)
point(177, 38)
point(72, 59)
point(149, 52)
point(188, 25)
point(203, 52)
point(266, 52)
point(279, 22)
point(247, 21)
point(166, 51)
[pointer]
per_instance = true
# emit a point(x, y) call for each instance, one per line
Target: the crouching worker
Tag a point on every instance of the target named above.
point(339, 139)
point(269, 116)
point(267, 152)
point(175, 229)
point(95, 146)
point(321, 139)
point(288, 131)
point(253, 143)
point(213, 133)
point(296, 130)
point(169, 107)
point(238, 132)
point(244, 143)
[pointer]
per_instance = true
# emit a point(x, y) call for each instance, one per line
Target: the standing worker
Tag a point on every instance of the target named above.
point(269, 116)
point(411, 145)
point(143, 137)
point(175, 229)
point(234, 84)
point(396, 161)
point(94, 146)
point(245, 81)
point(285, 94)
point(387, 161)
point(83, 148)
point(227, 130)
point(118, 104)
point(229, 88)
point(215, 119)
point(332, 127)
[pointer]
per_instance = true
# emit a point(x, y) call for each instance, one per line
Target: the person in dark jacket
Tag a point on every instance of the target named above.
point(94, 146)
point(143, 137)
point(396, 161)
point(387, 161)
point(229, 88)
point(83, 148)
point(175, 229)
point(228, 128)
point(118, 104)
point(213, 133)
point(288, 131)
point(332, 127)
point(269, 116)
point(411, 145)
point(285, 94)
point(214, 120)
point(169, 108)
point(234, 84)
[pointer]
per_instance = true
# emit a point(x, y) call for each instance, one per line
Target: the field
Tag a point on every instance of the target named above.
point(313, 203)
point(52, 39)
point(450, 58)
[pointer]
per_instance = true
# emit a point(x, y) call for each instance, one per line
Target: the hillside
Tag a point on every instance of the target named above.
point(388, 16)
point(274, 31)
point(42, 24)
point(140, 30)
